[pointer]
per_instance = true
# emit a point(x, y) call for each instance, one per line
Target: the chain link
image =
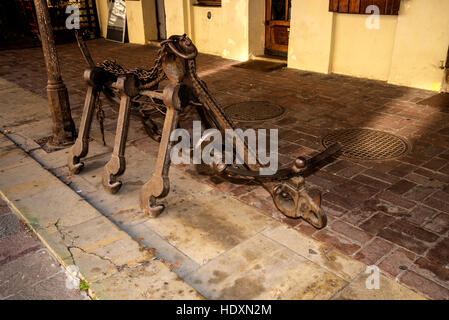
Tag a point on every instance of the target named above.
point(144, 75)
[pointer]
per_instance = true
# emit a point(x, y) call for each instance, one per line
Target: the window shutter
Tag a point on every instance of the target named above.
point(386, 7)
point(354, 6)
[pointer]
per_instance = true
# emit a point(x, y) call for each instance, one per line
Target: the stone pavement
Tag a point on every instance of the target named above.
point(393, 213)
point(205, 242)
point(83, 240)
point(27, 269)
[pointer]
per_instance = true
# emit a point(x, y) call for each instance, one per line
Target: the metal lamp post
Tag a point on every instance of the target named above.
point(64, 131)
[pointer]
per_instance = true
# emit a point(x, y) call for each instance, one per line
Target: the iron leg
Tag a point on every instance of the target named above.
point(81, 145)
point(117, 164)
point(159, 184)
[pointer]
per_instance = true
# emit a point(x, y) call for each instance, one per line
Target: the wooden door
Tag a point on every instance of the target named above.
point(277, 26)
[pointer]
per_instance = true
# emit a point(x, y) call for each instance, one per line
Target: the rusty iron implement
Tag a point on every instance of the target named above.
point(118, 85)
point(177, 59)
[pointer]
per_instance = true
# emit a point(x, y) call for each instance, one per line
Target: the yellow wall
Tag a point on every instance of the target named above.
point(175, 13)
point(406, 49)
point(422, 40)
point(310, 35)
point(362, 52)
point(102, 12)
point(141, 19)
point(227, 33)
point(256, 31)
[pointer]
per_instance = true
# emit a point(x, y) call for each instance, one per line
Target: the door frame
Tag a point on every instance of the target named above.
point(271, 47)
point(445, 84)
point(161, 20)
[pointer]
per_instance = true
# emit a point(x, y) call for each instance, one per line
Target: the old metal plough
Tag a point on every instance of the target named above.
point(176, 62)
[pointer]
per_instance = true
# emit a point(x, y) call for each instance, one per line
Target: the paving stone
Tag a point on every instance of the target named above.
point(440, 253)
point(396, 262)
point(9, 225)
point(435, 164)
point(317, 252)
point(347, 203)
point(403, 240)
point(419, 193)
point(395, 200)
point(356, 217)
point(40, 198)
point(245, 272)
point(386, 178)
point(376, 223)
point(434, 271)
point(374, 251)
point(402, 170)
point(413, 231)
point(351, 232)
point(26, 271)
point(58, 158)
point(437, 204)
point(420, 214)
point(99, 248)
point(442, 195)
point(217, 223)
point(429, 288)
point(4, 209)
point(17, 245)
point(149, 281)
point(439, 224)
point(53, 288)
point(335, 240)
point(401, 187)
point(387, 288)
point(371, 182)
point(11, 156)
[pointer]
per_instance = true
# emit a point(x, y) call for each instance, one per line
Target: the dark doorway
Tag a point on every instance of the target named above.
point(277, 26)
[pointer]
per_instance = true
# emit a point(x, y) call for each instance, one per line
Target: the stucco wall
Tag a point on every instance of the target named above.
point(256, 31)
point(102, 13)
point(406, 49)
point(362, 52)
point(422, 40)
point(226, 33)
point(310, 35)
point(176, 17)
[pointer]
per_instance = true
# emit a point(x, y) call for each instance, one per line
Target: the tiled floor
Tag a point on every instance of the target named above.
point(394, 214)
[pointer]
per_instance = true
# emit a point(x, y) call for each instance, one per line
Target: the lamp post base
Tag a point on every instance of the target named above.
point(64, 131)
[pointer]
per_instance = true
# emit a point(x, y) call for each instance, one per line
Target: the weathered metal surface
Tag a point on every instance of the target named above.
point(367, 144)
point(287, 187)
point(176, 61)
point(64, 131)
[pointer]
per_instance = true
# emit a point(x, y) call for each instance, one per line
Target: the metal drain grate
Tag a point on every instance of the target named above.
point(367, 144)
point(254, 111)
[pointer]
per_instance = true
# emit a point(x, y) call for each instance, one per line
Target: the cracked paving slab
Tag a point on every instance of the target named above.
point(82, 236)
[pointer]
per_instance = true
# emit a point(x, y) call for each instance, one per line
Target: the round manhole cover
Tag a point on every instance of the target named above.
point(367, 144)
point(254, 111)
